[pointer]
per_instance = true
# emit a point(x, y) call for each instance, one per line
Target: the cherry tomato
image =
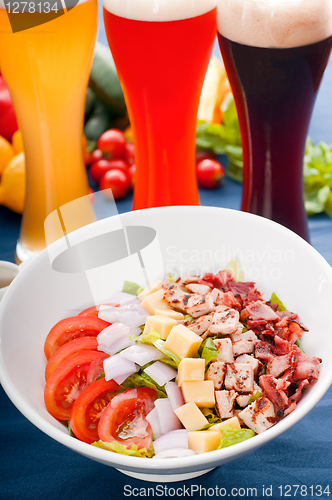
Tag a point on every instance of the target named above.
point(69, 379)
point(123, 420)
point(132, 173)
point(129, 155)
point(71, 328)
point(94, 310)
point(112, 143)
point(96, 155)
point(67, 350)
point(204, 155)
point(99, 168)
point(209, 173)
point(117, 181)
point(88, 408)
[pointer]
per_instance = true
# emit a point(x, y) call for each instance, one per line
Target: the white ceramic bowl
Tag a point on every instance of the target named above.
point(187, 240)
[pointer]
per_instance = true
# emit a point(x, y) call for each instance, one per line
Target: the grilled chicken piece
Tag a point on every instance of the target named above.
point(225, 349)
point(197, 288)
point(216, 372)
point(225, 322)
point(259, 416)
point(201, 324)
point(249, 335)
point(243, 347)
point(239, 377)
point(255, 363)
point(225, 403)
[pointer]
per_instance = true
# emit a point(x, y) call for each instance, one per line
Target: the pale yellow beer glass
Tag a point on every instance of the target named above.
point(47, 69)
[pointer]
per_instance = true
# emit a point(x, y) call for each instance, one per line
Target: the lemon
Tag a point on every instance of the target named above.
point(6, 153)
point(12, 186)
point(17, 142)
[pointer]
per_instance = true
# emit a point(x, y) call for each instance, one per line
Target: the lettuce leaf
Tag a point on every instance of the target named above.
point(120, 448)
point(207, 350)
point(159, 344)
point(254, 397)
point(142, 379)
point(129, 287)
point(233, 436)
point(275, 300)
point(146, 338)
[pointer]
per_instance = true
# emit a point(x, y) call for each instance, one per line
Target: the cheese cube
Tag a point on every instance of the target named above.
point(232, 422)
point(191, 416)
point(162, 324)
point(170, 313)
point(183, 342)
point(201, 393)
point(191, 370)
point(153, 287)
point(155, 301)
point(203, 441)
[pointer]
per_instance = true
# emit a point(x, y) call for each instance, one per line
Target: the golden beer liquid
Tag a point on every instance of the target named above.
point(47, 69)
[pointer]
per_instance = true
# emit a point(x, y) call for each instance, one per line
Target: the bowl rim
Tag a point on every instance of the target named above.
point(171, 465)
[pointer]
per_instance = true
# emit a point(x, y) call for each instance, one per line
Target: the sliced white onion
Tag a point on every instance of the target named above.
point(118, 368)
point(130, 313)
point(153, 419)
point(114, 338)
point(174, 394)
point(175, 453)
point(160, 372)
point(142, 354)
point(168, 421)
point(174, 439)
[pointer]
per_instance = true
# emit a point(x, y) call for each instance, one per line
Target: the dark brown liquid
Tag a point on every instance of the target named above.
point(274, 92)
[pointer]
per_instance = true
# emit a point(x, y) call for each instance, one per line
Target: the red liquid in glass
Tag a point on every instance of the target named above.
point(161, 66)
point(274, 91)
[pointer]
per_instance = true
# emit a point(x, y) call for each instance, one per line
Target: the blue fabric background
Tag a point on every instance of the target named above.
point(33, 466)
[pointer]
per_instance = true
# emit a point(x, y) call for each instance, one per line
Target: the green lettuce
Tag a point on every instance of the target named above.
point(207, 350)
point(153, 338)
point(129, 287)
point(254, 397)
point(142, 379)
point(275, 300)
point(233, 436)
point(120, 448)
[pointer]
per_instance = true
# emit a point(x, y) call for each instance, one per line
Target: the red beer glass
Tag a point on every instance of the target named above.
point(275, 53)
point(161, 50)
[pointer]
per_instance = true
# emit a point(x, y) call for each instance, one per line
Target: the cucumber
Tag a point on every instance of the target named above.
point(90, 101)
point(100, 120)
point(104, 80)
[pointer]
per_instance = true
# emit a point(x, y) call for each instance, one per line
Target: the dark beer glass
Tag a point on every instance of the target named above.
point(275, 53)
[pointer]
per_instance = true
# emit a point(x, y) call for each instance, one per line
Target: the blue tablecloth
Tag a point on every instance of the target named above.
point(33, 466)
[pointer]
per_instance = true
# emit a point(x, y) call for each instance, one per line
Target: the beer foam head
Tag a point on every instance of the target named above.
point(159, 10)
point(275, 23)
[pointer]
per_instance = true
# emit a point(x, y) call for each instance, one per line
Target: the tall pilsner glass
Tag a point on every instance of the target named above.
point(161, 50)
point(275, 53)
point(46, 68)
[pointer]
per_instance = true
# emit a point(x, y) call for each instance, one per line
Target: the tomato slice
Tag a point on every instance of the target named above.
point(123, 420)
point(67, 350)
point(69, 379)
point(94, 310)
point(88, 408)
point(71, 328)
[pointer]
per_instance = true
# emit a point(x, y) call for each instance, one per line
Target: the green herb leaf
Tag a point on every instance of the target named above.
point(254, 397)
